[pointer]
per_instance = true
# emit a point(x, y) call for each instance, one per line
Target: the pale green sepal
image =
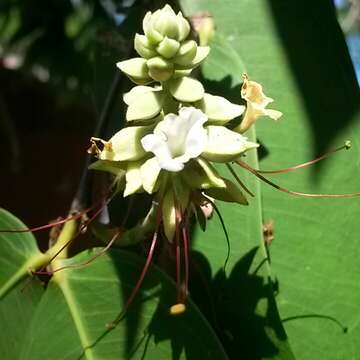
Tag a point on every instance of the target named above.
point(199, 174)
point(143, 47)
point(186, 53)
point(149, 173)
point(113, 167)
point(181, 73)
point(133, 178)
point(135, 68)
point(139, 232)
point(186, 89)
point(160, 69)
point(218, 109)
point(182, 192)
point(125, 144)
point(231, 193)
point(169, 214)
point(225, 145)
point(168, 47)
point(130, 237)
point(147, 106)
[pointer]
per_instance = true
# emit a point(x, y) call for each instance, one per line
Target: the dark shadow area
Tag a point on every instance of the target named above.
point(228, 303)
point(321, 65)
point(232, 308)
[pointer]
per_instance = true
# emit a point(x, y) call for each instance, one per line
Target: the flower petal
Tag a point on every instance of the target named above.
point(256, 103)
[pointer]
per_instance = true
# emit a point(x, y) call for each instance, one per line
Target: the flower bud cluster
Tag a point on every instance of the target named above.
point(177, 130)
point(164, 48)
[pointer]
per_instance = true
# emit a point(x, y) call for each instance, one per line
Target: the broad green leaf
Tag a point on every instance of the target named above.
point(297, 52)
point(70, 320)
point(249, 310)
point(18, 252)
point(16, 311)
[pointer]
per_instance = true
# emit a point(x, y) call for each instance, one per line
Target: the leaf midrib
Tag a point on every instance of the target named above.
point(61, 279)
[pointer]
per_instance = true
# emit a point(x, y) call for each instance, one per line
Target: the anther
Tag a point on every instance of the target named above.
point(177, 309)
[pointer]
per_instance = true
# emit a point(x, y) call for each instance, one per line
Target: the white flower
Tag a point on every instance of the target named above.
point(177, 139)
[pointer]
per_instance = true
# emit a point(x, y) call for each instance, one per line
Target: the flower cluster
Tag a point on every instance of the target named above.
point(176, 131)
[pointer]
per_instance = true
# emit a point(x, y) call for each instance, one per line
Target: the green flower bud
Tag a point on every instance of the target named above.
point(125, 145)
point(143, 47)
point(218, 109)
point(166, 23)
point(201, 53)
point(160, 69)
point(149, 173)
point(186, 53)
point(186, 89)
point(184, 27)
point(168, 47)
point(136, 69)
point(225, 145)
point(144, 103)
point(152, 35)
point(133, 177)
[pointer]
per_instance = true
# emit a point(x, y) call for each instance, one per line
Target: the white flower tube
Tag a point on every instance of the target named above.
point(177, 139)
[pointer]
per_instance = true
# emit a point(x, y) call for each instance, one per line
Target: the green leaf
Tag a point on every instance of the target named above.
point(303, 64)
point(78, 304)
point(18, 252)
point(16, 311)
point(248, 310)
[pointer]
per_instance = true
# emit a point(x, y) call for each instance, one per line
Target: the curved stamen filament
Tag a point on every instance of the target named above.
point(182, 287)
point(62, 248)
point(143, 273)
point(295, 193)
point(80, 265)
point(186, 260)
point(222, 222)
point(308, 163)
point(234, 174)
point(55, 223)
point(178, 255)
